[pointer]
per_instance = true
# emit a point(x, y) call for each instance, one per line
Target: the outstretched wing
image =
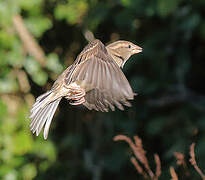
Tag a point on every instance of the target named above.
point(104, 81)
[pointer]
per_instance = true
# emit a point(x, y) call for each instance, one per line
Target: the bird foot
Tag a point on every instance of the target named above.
point(77, 102)
point(76, 95)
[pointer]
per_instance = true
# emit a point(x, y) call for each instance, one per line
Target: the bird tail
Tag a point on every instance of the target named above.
point(43, 111)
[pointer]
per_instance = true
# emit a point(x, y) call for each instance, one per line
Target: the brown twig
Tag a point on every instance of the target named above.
point(138, 167)
point(158, 166)
point(193, 161)
point(28, 40)
point(138, 152)
point(181, 162)
point(180, 158)
point(140, 155)
point(173, 174)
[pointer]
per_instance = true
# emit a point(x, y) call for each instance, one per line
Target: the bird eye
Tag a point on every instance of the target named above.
point(129, 46)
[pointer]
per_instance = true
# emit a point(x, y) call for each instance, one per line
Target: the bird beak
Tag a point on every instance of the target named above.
point(136, 49)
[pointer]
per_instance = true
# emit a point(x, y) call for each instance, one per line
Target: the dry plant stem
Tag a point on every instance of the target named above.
point(138, 167)
point(181, 162)
point(138, 151)
point(131, 144)
point(141, 155)
point(180, 159)
point(193, 161)
point(158, 166)
point(28, 40)
point(173, 174)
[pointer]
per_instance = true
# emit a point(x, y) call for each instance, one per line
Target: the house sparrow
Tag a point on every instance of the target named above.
point(94, 80)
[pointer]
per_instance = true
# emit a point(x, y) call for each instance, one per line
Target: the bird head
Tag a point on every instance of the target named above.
point(121, 51)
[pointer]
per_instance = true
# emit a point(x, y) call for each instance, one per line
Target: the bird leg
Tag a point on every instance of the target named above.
point(77, 102)
point(76, 95)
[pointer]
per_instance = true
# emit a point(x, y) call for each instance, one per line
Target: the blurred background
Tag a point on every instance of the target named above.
point(40, 38)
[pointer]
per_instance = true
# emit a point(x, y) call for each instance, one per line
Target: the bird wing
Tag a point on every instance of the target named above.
point(104, 81)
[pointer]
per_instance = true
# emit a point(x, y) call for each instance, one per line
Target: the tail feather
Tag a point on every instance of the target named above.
point(39, 118)
point(41, 101)
point(42, 120)
point(49, 119)
point(42, 112)
point(41, 97)
point(36, 115)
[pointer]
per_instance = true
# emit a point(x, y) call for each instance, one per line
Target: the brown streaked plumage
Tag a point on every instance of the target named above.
point(94, 80)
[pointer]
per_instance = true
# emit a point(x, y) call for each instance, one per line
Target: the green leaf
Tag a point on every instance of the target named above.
point(33, 7)
point(8, 84)
point(7, 10)
point(22, 143)
point(3, 110)
point(45, 149)
point(40, 78)
point(38, 25)
point(53, 63)
point(22, 115)
point(6, 39)
point(29, 171)
point(97, 15)
point(72, 11)
point(8, 126)
point(34, 69)
point(126, 3)
point(167, 7)
point(12, 175)
point(15, 57)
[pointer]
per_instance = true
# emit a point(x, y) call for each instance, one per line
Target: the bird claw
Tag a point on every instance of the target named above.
point(76, 95)
point(78, 102)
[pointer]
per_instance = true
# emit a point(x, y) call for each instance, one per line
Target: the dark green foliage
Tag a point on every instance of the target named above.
point(168, 113)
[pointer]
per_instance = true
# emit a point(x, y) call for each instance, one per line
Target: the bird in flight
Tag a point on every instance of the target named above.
point(95, 79)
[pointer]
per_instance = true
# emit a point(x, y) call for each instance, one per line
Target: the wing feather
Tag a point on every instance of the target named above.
point(108, 86)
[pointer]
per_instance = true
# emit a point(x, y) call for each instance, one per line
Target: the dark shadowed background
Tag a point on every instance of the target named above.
point(168, 113)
